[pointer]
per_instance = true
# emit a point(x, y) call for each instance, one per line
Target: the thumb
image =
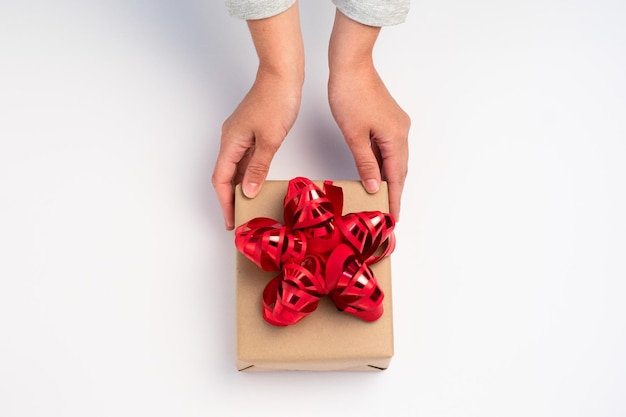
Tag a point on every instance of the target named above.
point(366, 165)
point(256, 170)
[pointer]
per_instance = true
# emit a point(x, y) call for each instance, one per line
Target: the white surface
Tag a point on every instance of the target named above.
point(116, 283)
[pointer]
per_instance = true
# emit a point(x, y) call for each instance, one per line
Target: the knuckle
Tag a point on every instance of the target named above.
point(226, 127)
point(257, 169)
point(406, 119)
point(403, 129)
point(216, 181)
point(367, 166)
point(268, 146)
point(269, 143)
point(403, 176)
point(352, 138)
point(402, 126)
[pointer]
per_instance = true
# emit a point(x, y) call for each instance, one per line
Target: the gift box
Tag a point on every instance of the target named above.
point(327, 339)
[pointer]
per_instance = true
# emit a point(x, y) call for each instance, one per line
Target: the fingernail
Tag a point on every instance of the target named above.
point(250, 189)
point(371, 186)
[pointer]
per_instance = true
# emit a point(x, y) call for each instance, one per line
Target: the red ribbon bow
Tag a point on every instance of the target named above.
point(319, 252)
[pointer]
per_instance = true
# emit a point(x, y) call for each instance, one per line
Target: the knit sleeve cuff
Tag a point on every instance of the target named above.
point(375, 12)
point(257, 9)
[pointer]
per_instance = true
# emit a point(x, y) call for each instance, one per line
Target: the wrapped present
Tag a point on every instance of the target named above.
point(313, 277)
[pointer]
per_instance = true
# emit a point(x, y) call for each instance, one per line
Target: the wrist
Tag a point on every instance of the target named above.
point(279, 46)
point(272, 81)
point(290, 71)
point(351, 46)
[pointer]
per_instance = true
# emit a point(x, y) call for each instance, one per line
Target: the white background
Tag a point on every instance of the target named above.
point(116, 275)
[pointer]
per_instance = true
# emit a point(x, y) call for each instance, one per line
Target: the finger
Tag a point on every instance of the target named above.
point(222, 179)
point(241, 167)
point(395, 169)
point(395, 198)
point(223, 186)
point(366, 163)
point(257, 168)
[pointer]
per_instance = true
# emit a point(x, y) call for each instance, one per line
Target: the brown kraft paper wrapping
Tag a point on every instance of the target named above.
point(327, 339)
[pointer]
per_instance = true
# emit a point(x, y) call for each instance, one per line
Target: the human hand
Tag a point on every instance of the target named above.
point(374, 126)
point(250, 138)
point(256, 129)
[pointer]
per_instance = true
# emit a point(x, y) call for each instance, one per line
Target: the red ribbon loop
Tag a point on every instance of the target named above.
point(268, 244)
point(318, 252)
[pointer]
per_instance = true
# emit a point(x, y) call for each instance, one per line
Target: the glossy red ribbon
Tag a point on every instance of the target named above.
point(319, 252)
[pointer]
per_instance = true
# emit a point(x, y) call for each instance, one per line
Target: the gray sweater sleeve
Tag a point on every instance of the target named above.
point(368, 12)
point(257, 9)
point(375, 12)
